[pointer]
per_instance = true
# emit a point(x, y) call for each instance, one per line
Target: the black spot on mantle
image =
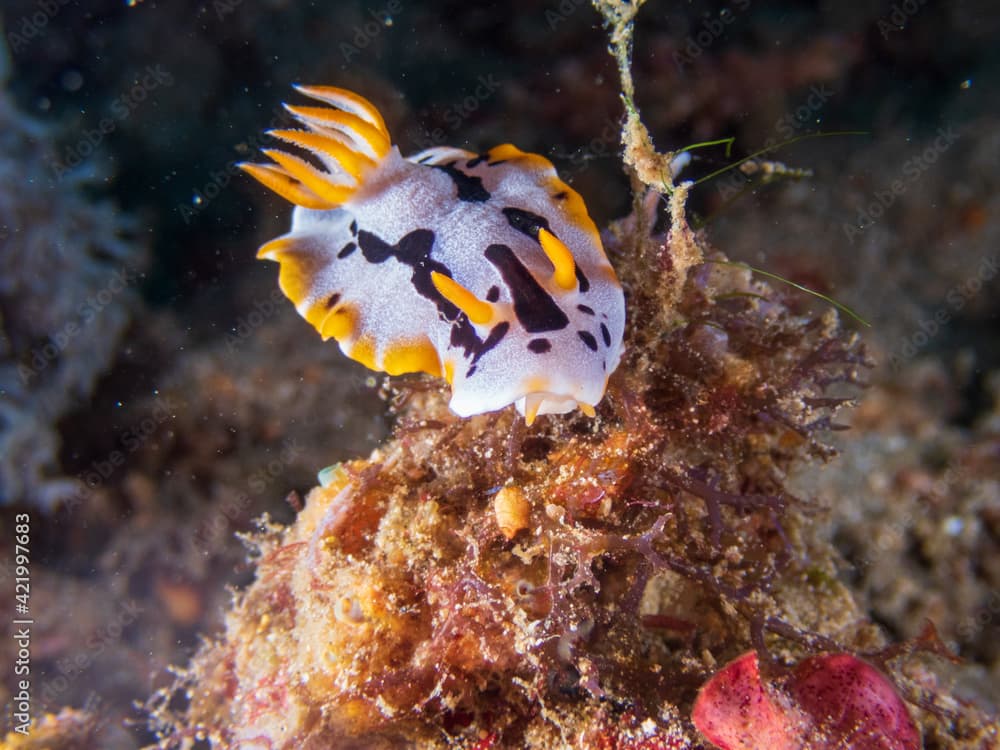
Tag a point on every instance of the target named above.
point(494, 337)
point(470, 188)
point(414, 250)
point(526, 222)
point(534, 308)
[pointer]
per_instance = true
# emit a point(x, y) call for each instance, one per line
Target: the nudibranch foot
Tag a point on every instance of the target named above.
point(533, 404)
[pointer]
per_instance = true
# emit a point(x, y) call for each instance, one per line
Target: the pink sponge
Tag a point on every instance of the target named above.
point(829, 701)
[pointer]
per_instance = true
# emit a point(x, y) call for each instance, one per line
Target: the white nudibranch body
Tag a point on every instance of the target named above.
point(482, 268)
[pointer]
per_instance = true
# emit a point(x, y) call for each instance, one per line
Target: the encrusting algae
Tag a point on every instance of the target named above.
point(480, 583)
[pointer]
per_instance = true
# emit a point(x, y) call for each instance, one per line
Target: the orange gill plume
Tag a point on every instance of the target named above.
point(348, 140)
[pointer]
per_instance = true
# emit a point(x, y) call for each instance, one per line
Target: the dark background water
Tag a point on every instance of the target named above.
point(204, 400)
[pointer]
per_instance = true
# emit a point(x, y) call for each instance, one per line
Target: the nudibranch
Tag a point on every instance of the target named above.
point(485, 269)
